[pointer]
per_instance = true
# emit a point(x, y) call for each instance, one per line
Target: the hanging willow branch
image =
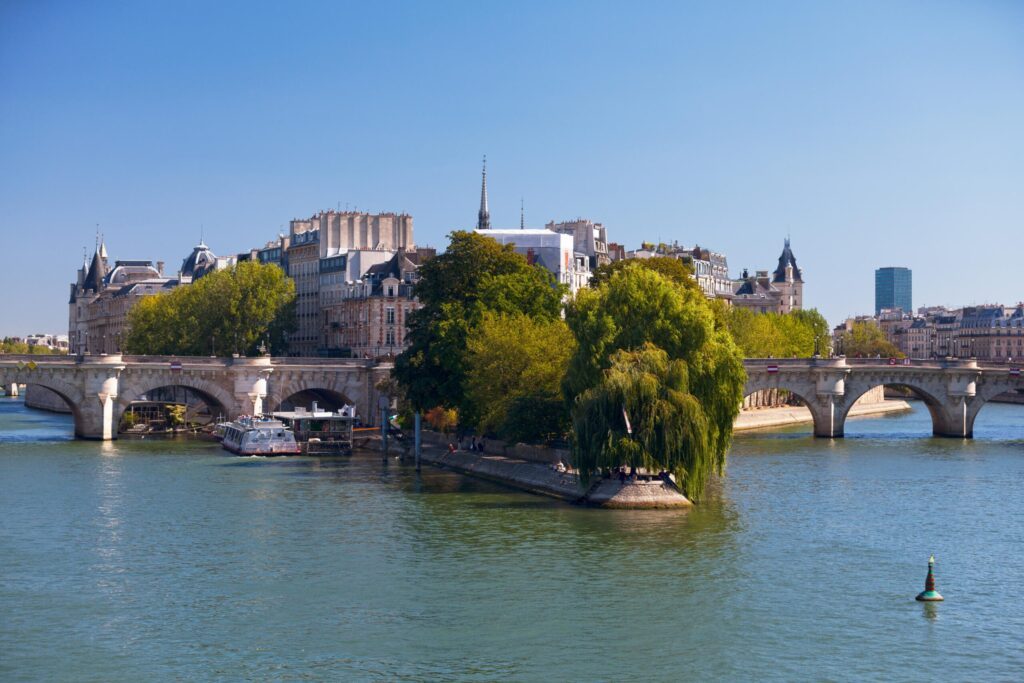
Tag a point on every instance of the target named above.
point(671, 430)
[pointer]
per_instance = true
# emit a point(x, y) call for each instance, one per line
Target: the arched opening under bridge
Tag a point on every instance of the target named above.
point(325, 399)
point(50, 398)
point(892, 409)
point(170, 407)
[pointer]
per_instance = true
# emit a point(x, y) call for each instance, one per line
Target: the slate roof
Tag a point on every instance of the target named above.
point(97, 271)
point(787, 259)
point(199, 262)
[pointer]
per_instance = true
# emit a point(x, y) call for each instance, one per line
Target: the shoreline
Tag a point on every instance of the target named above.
point(543, 479)
point(772, 418)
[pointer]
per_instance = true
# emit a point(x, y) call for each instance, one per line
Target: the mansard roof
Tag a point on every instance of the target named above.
point(787, 259)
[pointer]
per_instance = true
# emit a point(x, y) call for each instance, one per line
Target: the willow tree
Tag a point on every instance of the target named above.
point(695, 396)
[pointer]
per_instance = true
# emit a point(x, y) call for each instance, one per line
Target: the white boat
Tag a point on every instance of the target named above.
point(259, 436)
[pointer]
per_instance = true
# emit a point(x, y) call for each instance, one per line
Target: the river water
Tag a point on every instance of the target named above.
point(145, 560)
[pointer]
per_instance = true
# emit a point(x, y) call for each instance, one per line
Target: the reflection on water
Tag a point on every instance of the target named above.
point(169, 559)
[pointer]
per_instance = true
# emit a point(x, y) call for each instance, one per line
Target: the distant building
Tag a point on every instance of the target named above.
point(782, 291)
point(552, 250)
point(893, 289)
point(344, 230)
point(303, 257)
point(589, 238)
point(102, 296)
point(54, 342)
point(567, 252)
point(370, 318)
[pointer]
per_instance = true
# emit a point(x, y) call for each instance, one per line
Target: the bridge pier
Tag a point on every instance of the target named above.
point(250, 383)
point(96, 415)
point(12, 390)
point(953, 419)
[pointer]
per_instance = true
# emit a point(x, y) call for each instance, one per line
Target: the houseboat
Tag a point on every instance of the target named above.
point(259, 436)
point(321, 431)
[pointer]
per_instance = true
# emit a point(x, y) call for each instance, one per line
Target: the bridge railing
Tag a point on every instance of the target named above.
point(39, 359)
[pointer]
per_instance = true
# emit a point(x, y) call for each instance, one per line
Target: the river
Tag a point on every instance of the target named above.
point(142, 560)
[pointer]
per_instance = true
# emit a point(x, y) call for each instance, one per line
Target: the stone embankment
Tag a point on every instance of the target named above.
point(768, 418)
point(543, 478)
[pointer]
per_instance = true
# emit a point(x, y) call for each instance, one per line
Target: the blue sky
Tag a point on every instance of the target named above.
point(872, 133)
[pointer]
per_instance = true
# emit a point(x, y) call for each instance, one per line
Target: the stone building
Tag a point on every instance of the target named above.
point(992, 333)
point(344, 230)
point(303, 257)
point(102, 296)
point(711, 271)
point(345, 244)
point(370, 318)
point(779, 292)
point(589, 238)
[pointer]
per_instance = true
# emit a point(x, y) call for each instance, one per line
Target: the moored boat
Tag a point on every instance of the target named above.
point(321, 431)
point(259, 436)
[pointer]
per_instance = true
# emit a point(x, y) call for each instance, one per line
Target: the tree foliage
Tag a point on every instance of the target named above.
point(866, 340)
point(515, 368)
point(456, 288)
point(228, 311)
point(764, 335)
point(643, 413)
point(11, 345)
point(639, 310)
point(672, 268)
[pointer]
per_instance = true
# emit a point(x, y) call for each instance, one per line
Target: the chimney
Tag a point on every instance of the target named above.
point(160, 268)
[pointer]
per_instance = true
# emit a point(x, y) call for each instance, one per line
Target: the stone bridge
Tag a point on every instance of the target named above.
point(954, 390)
point(99, 388)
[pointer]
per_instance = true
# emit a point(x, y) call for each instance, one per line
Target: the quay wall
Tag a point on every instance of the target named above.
point(542, 478)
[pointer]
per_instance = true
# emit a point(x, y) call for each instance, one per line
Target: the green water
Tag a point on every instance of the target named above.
point(163, 560)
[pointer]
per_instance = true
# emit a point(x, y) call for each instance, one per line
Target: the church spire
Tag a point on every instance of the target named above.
point(483, 218)
point(522, 215)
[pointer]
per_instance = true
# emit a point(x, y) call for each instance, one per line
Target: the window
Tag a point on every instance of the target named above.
point(389, 338)
point(389, 317)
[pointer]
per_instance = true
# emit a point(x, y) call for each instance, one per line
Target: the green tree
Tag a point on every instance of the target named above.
point(672, 268)
point(474, 275)
point(866, 340)
point(642, 413)
point(234, 310)
point(763, 335)
point(515, 368)
point(635, 308)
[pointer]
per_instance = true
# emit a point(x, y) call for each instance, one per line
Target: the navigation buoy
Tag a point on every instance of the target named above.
point(930, 594)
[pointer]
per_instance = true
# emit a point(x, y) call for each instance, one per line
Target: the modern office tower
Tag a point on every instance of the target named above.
point(893, 289)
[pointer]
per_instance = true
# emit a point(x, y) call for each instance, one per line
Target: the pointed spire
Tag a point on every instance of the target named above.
point(103, 249)
point(522, 215)
point(483, 218)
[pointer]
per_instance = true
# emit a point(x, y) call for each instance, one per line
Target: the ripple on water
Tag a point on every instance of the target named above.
point(153, 560)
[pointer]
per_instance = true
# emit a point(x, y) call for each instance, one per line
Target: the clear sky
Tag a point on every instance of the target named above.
point(873, 134)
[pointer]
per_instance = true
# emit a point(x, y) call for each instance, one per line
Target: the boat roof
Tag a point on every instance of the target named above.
point(308, 414)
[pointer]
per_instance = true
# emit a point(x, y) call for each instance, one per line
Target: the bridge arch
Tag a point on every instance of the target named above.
point(135, 388)
point(329, 392)
point(805, 392)
point(938, 409)
point(69, 393)
point(984, 396)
